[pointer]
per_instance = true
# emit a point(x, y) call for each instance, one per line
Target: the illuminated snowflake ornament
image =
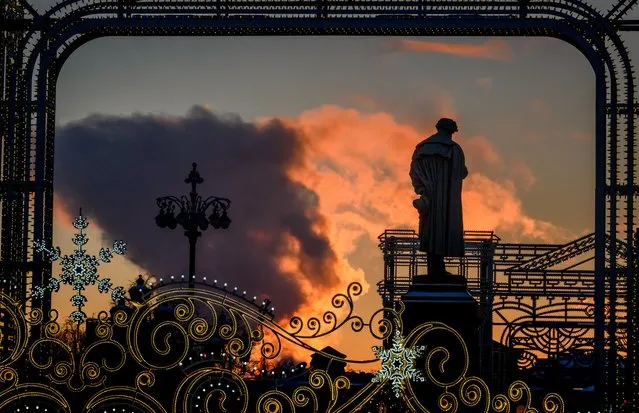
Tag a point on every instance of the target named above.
point(398, 363)
point(79, 269)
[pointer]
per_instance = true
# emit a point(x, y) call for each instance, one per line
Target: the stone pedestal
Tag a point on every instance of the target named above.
point(444, 299)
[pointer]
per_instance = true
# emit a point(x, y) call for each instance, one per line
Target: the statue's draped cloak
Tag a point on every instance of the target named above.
point(437, 170)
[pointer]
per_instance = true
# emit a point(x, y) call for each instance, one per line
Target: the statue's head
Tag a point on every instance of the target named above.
point(446, 124)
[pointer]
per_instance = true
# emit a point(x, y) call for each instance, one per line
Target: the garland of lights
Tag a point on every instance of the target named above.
point(167, 344)
point(202, 380)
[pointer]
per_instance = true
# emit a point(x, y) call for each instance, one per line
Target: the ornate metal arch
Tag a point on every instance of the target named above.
point(37, 45)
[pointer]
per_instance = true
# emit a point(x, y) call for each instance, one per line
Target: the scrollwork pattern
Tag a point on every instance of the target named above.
point(470, 391)
point(157, 340)
point(314, 325)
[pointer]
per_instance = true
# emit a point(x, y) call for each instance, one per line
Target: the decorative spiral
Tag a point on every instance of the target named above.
point(269, 403)
point(237, 348)
point(302, 395)
point(120, 318)
point(184, 311)
point(318, 378)
point(447, 402)
point(103, 331)
point(315, 328)
point(342, 383)
point(501, 404)
point(384, 327)
point(52, 328)
point(199, 329)
point(354, 289)
point(91, 370)
point(110, 361)
point(330, 318)
point(297, 324)
point(228, 331)
point(257, 335)
point(553, 403)
point(221, 399)
point(166, 344)
point(7, 374)
point(471, 391)
point(420, 332)
point(357, 324)
point(145, 379)
point(35, 317)
point(269, 350)
point(209, 386)
point(518, 390)
point(62, 370)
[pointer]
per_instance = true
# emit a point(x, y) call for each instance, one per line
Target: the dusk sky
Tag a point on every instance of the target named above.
point(311, 138)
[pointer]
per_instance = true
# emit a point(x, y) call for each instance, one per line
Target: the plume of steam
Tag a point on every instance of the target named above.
point(115, 168)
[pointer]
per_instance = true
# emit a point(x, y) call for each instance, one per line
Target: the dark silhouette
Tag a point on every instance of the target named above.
point(333, 367)
point(192, 215)
point(437, 171)
point(139, 291)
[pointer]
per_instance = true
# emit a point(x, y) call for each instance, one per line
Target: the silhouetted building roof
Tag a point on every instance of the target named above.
point(332, 366)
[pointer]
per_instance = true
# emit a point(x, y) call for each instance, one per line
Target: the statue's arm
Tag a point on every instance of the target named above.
point(463, 163)
point(418, 185)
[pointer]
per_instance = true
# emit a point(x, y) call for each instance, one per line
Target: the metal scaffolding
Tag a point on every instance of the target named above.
point(525, 300)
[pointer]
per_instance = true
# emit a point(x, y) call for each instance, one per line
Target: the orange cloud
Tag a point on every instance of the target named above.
point(496, 49)
point(367, 177)
point(479, 149)
point(523, 175)
point(358, 165)
point(367, 188)
point(496, 207)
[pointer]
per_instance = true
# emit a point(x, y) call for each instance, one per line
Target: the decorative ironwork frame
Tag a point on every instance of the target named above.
point(148, 343)
point(37, 45)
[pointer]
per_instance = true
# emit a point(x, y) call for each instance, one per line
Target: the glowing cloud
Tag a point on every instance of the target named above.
point(523, 175)
point(358, 165)
point(492, 49)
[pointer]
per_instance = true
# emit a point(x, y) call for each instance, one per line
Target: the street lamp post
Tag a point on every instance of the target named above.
point(192, 211)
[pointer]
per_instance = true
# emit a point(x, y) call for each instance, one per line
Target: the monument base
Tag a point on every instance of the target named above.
point(444, 299)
